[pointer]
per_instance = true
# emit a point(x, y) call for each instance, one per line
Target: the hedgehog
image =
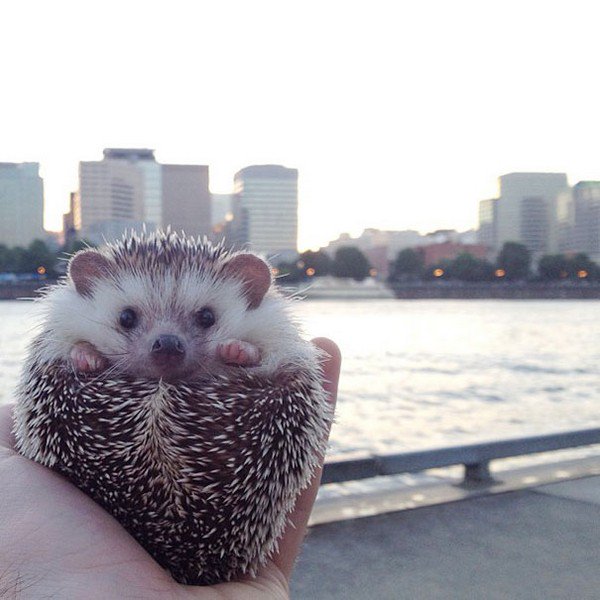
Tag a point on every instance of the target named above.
point(170, 383)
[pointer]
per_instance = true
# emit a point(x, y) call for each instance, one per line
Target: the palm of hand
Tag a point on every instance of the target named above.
point(57, 542)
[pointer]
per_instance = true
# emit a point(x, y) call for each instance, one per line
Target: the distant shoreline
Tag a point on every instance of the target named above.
point(497, 291)
point(410, 291)
point(24, 290)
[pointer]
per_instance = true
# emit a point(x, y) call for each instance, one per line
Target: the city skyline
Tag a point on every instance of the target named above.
point(53, 220)
point(411, 111)
point(133, 165)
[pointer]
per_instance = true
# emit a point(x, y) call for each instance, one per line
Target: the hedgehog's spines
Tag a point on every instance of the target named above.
point(202, 473)
point(166, 251)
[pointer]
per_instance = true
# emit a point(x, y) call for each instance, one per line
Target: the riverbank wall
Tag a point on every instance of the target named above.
point(499, 291)
point(409, 291)
point(23, 290)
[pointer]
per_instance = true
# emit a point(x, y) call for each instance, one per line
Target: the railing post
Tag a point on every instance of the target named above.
point(478, 473)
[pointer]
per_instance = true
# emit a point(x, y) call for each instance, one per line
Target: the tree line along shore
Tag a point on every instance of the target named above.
point(512, 273)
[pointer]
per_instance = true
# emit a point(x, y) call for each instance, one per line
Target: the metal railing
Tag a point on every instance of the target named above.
point(474, 457)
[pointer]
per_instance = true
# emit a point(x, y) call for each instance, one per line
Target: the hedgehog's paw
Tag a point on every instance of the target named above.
point(237, 352)
point(86, 359)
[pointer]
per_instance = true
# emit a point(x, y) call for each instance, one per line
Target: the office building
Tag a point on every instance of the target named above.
point(526, 210)
point(565, 222)
point(586, 218)
point(265, 210)
point(111, 195)
point(129, 190)
point(186, 199)
point(21, 204)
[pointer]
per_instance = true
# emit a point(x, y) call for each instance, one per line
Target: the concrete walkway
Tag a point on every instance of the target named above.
point(541, 543)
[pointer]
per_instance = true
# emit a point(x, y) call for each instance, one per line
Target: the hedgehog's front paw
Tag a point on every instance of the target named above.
point(237, 352)
point(86, 359)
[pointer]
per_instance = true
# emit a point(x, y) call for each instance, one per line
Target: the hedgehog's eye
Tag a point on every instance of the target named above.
point(205, 317)
point(128, 318)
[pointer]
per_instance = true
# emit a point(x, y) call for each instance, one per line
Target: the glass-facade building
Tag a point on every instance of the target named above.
point(526, 210)
point(265, 209)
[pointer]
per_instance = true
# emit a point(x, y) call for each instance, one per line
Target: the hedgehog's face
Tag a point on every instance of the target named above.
point(169, 326)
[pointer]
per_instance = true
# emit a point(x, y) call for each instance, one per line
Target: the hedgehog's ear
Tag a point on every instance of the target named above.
point(255, 275)
point(85, 268)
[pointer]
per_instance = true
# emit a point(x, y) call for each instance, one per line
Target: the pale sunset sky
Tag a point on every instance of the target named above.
point(398, 115)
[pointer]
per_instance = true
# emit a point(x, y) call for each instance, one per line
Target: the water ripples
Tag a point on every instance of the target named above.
point(421, 374)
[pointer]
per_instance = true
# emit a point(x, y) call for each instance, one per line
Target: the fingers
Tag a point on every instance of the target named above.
point(289, 545)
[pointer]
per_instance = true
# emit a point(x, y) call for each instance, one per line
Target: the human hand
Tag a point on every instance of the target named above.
point(57, 542)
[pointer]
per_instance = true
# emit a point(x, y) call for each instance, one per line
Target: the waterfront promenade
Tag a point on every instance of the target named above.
point(531, 543)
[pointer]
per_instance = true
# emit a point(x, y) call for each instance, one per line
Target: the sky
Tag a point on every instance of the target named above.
point(398, 115)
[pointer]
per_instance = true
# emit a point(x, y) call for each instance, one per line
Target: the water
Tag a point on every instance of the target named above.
point(430, 373)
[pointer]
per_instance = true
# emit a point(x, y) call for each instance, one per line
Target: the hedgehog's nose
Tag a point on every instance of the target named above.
point(168, 346)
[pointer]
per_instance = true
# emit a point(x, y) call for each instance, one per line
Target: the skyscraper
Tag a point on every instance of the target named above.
point(265, 209)
point(186, 199)
point(526, 210)
point(111, 194)
point(21, 204)
point(586, 218)
point(128, 189)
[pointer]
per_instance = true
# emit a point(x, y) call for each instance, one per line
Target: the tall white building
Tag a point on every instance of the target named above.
point(128, 189)
point(265, 209)
point(526, 210)
point(21, 204)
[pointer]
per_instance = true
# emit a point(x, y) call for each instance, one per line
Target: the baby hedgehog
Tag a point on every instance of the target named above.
point(171, 385)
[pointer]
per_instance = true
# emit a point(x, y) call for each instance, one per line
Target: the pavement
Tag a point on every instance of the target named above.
point(539, 543)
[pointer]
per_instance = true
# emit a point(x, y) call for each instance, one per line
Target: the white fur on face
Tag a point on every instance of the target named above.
point(169, 306)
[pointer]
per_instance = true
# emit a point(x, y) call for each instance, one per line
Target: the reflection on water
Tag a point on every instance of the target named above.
point(429, 373)
point(436, 373)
